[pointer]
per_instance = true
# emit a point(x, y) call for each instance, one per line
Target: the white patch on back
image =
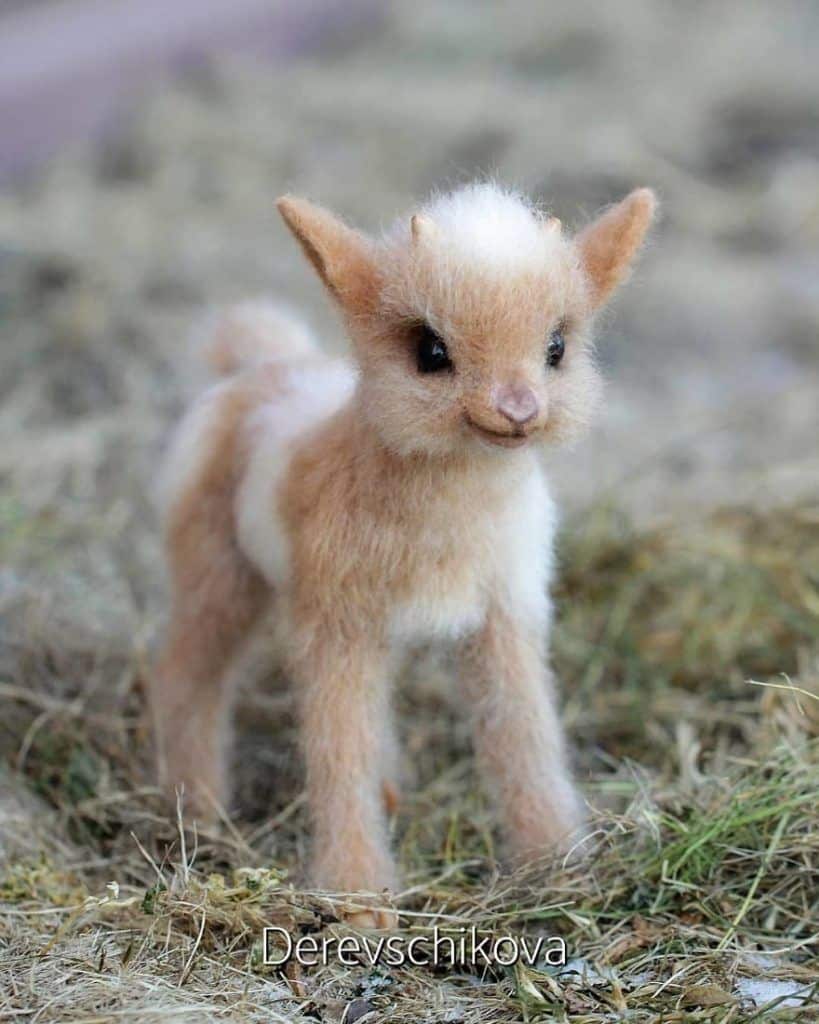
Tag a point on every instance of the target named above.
point(309, 394)
point(189, 446)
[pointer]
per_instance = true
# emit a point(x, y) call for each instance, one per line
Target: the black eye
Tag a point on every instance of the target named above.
point(555, 347)
point(431, 351)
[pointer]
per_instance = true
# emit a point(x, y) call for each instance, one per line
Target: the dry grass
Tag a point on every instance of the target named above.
point(704, 878)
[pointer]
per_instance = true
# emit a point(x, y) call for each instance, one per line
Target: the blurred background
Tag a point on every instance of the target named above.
point(142, 147)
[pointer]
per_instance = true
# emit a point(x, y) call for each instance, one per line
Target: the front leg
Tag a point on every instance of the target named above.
point(344, 702)
point(518, 736)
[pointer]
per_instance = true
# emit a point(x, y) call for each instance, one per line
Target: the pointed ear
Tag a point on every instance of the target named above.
point(342, 257)
point(609, 244)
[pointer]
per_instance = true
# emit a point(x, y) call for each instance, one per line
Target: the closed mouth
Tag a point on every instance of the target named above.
point(496, 437)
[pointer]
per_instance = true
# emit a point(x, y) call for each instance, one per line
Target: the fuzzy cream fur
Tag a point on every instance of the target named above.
point(369, 506)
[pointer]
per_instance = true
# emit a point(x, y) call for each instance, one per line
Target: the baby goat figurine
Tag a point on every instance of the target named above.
point(396, 499)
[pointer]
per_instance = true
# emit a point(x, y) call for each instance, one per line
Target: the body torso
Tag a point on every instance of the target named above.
point(335, 521)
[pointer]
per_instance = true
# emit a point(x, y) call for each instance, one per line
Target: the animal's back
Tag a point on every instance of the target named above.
point(276, 387)
point(306, 395)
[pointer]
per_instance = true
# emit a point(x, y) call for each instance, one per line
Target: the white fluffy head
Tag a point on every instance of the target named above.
point(484, 224)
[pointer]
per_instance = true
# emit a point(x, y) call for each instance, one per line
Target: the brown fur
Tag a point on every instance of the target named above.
point(517, 733)
point(217, 598)
point(396, 514)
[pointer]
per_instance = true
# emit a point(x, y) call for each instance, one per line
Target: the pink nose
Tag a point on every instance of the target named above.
point(518, 403)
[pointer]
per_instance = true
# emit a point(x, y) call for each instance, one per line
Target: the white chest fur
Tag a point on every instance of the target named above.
point(501, 550)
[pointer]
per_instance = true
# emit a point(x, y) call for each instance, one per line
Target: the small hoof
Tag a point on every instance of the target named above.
point(375, 919)
point(390, 798)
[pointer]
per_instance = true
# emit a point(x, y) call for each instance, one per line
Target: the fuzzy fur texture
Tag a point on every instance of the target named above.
point(369, 506)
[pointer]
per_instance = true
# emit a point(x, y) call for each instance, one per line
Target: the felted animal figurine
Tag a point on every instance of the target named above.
point(398, 497)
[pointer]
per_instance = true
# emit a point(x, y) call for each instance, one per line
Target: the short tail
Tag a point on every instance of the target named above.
point(252, 333)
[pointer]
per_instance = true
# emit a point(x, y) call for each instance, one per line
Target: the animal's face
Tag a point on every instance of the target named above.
point(471, 321)
point(479, 347)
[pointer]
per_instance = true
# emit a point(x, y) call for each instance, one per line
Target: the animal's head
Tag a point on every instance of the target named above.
point(471, 319)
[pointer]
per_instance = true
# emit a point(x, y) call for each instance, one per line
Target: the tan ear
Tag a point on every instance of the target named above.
point(609, 244)
point(342, 257)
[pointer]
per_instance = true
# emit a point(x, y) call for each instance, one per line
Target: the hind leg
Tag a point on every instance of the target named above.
point(191, 692)
point(217, 599)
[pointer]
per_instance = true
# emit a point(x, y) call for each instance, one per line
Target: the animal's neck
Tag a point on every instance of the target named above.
point(465, 477)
